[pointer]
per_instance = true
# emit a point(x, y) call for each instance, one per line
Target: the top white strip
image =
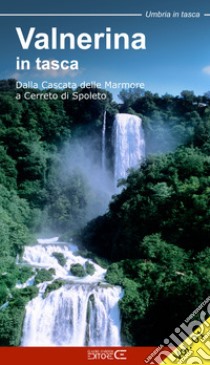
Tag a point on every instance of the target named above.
point(68, 15)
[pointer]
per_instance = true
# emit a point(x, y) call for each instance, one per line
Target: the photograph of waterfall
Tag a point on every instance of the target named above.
point(105, 181)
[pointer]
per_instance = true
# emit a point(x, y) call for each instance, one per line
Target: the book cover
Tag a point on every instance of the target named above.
point(104, 181)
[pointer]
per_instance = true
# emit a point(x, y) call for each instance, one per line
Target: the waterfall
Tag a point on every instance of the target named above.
point(129, 144)
point(74, 315)
point(82, 312)
point(104, 143)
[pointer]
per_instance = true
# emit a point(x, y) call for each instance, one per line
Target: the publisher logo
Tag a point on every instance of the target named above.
point(107, 355)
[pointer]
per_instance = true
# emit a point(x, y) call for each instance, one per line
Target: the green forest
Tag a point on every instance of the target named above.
point(155, 235)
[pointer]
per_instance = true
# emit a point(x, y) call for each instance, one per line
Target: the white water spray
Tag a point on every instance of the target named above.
point(83, 312)
point(103, 162)
point(129, 144)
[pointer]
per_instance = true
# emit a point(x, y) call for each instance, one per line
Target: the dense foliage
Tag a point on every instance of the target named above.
point(56, 284)
point(168, 194)
point(77, 270)
point(82, 271)
point(171, 121)
point(44, 275)
point(60, 258)
point(32, 197)
point(89, 268)
point(156, 231)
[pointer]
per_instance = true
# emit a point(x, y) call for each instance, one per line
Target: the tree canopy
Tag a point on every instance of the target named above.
point(156, 232)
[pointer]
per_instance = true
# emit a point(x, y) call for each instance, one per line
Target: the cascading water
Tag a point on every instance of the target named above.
point(103, 160)
point(83, 312)
point(129, 144)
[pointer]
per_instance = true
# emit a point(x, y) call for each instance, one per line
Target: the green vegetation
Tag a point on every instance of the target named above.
point(78, 270)
point(168, 195)
point(156, 233)
point(60, 257)
point(101, 261)
point(25, 272)
point(56, 284)
point(33, 193)
point(44, 275)
point(89, 268)
point(11, 317)
point(157, 230)
point(158, 296)
point(11, 322)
